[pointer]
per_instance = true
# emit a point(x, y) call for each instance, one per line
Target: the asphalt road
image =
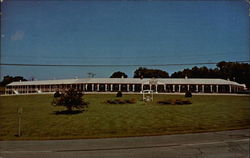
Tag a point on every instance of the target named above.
point(226, 144)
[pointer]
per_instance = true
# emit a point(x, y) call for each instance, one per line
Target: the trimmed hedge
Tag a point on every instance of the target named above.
point(119, 94)
point(175, 102)
point(122, 101)
point(188, 94)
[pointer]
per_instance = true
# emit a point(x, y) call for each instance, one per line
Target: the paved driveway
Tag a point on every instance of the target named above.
point(226, 144)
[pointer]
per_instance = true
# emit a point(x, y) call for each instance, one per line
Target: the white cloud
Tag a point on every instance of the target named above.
point(17, 36)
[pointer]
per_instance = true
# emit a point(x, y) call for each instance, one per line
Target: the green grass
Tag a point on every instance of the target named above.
point(207, 113)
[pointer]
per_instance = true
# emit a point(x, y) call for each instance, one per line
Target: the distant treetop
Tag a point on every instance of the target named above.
point(8, 79)
point(119, 74)
point(142, 72)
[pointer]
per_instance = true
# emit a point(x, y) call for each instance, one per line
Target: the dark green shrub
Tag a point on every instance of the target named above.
point(174, 102)
point(188, 94)
point(57, 94)
point(119, 94)
point(130, 101)
point(111, 102)
point(179, 102)
point(120, 101)
point(165, 102)
point(187, 102)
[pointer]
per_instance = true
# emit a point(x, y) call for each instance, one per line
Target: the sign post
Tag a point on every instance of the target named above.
point(19, 111)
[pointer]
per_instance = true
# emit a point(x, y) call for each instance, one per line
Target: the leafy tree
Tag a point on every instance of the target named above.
point(119, 74)
point(239, 72)
point(70, 99)
point(150, 73)
point(8, 79)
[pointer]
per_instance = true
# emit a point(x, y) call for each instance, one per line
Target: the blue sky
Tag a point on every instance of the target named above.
point(120, 32)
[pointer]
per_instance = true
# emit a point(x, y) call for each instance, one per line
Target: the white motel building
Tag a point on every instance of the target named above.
point(166, 85)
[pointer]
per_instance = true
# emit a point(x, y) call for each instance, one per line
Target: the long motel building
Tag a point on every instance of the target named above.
point(137, 85)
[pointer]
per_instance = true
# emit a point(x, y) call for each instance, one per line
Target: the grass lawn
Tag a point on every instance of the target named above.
point(39, 121)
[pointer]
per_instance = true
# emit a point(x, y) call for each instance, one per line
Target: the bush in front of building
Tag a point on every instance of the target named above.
point(188, 94)
point(165, 102)
point(174, 102)
point(187, 102)
point(131, 101)
point(57, 94)
point(121, 101)
point(119, 94)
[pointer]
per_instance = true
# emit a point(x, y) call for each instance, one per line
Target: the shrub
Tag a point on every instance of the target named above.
point(165, 102)
point(121, 101)
point(57, 94)
point(188, 94)
point(187, 102)
point(179, 102)
point(130, 101)
point(119, 94)
point(110, 101)
point(174, 102)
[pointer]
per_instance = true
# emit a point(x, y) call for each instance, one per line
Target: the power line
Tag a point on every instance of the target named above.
point(102, 65)
point(111, 57)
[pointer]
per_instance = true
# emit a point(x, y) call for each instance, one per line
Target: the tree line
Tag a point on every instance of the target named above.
point(238, 72)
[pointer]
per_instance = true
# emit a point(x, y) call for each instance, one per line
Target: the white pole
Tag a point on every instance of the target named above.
point(19, 125)
point(19, 111)
point(119, 87)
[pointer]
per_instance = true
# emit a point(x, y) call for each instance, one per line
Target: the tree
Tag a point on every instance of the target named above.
point(119, 74)
point(8, 79)
point(70, 99)
point(239, 72)
point(150, 73)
